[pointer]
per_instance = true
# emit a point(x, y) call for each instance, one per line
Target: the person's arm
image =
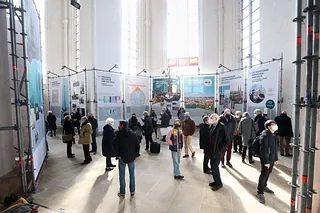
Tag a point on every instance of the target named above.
point(116, 145)
point(168, 138)
point(240, 127)
point(290, 126)
point(193, 127)
point(264, 155)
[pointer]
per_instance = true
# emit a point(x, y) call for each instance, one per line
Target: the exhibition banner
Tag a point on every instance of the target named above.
point(78, 90)
point(34, 74)
point(59, 98)
point(263, 88)
point(166, 93)
point(199, 96)
point(231, 91)
point(109, 96)
point(137, 95)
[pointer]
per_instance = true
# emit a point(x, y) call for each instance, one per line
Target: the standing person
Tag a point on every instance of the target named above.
point(76, 117)
point(229, 123)
point(85, 139)
point(135, 126)
point(218, 140)
point(268, 158)
point(188, 129)
point(204, 142)
point(94, 123)
point(175, 141)
point(260, 120)
point(169, 113)
point(247, 128)
point(154, 122)
point(285, 133)
point(107, 143)
point(68, 130)
point(51, 118)
point(237, 135)
point(182, 115)
point(165, 121)
point(126, 148)
point(148, 129)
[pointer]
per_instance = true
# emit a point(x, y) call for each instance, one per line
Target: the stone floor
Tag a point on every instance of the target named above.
point(72, 188)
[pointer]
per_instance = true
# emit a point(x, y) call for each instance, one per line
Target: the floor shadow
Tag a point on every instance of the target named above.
point(251, 187)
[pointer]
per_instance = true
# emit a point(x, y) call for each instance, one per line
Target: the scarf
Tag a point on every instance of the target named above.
point(177, 139)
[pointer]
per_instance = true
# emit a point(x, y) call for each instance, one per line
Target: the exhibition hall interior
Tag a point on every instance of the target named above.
point(159, 106)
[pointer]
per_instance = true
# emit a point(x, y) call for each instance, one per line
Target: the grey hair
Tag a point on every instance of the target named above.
point(257, 111)
point(187, 114)
point(110, 121)
point(246, 114)
point(145, 113)
point(49, 111)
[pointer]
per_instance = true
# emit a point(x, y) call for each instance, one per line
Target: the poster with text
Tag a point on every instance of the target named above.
point(109, 96)
point(231, 91)
point(263, 88)
point(199, 96)
point(78, 96)
point(166, 92)
point(137, 95)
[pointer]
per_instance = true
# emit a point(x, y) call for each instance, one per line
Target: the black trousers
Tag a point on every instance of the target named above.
point(53, 133)
point(244, 153)
point(69, 150)
point(155, 129)
point(206, 159)
point(94, 142)
point(108, 162)
point(86, 152)
point(148, 140)
point(237, 142)
point(215, 170)
point(264, 177)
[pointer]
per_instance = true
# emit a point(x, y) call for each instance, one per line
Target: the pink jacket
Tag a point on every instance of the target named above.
point(168, 140)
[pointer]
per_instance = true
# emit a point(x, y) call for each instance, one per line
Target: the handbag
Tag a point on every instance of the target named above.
point(67, 138)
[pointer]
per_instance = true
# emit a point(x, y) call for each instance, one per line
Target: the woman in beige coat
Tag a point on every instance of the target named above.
point(85, 139)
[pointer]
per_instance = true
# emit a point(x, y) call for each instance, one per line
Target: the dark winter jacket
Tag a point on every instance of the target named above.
point(260, 120)
point(204, 135)
point(218, 141)
point(154, 119)
point(108, 141)
point(188, 127)
point(68, 128)
point(147, 127)
point(284, 125)
point(268, 147)
point(133, 123)
point(165, 120)
point(229, 125)
point(169, 114)
point(94, 123)
point(51, 118)
point(126, 145)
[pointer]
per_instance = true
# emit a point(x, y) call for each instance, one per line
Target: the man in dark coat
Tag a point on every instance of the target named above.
point(147, 128)
point(68, 130)
point(204, 142)
point(154, 122)
point(285, 133)
point(259, 119)
point(218, 141)
point(268, 158)
point(228, 120)
point(107, 143)
point(51, 118)
point(165, 121)
point(76, 117)
point(94, 123)
point(136, 127)
point(126, 149)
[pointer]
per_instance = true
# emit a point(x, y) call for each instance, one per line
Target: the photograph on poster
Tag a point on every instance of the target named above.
point(257, 93)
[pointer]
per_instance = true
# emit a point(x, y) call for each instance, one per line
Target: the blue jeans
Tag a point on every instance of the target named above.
point(122, 176)
point(176, 162)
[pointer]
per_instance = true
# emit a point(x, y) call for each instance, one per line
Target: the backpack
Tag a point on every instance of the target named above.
point(256, 146)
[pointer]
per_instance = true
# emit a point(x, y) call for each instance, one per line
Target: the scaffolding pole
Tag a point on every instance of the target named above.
point(296, 140)
point(305, 148)
point(314, 107)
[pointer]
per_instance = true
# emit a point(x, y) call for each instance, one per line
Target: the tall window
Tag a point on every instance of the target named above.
point(250, 32)
point(129, 35)
point(183, 32)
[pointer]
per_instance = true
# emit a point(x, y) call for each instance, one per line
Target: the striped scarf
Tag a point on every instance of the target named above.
point(177, 139)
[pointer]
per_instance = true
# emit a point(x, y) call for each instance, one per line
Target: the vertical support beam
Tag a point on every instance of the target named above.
point(250, 34)
point(304, 176)
point(148, 35)
point(281, 85)
point(314, 109)
point(221, 32)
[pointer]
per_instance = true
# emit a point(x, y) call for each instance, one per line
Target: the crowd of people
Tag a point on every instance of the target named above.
point(218, 134)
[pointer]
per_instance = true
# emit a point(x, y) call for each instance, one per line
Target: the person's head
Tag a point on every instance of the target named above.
point(257, 112)
point(246, 115)
point(153, 112)
point(214, 119)
point(123, 125)
point(187, 114)
point(238, 114)
point(164, 110)
point(177, 123)
point(271, 126)
point(90, 115)
point(67, 118)
point(284, 113)
point(110, 121)
point(49, 112)
point(206, 119)
point(227, 113)
point(145, 114)
point(84, 119)
point(133, 115)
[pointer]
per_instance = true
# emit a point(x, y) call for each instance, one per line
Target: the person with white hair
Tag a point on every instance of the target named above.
point(188, 129)
point(51, 119)
point(107, 143)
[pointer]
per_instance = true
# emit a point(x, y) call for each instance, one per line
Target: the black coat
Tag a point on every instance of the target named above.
point(260, 120)
point(204, 135)
point(268, 147)
point(94, 123)
point(68, 128)
point(148, 126)
point(51, 118)
point(284, 125)
point(154, 120)
point(165, 120)
point(108, 141)
point(133, 123)
point(126, 145)
point(218, 141)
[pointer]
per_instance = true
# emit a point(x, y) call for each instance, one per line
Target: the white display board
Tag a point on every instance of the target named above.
point(78, 90)
point(137, 95)
point(263, 88)
point(109, 96)
point(231, 91)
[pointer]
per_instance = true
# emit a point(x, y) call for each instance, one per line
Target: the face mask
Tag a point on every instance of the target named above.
point(176, 125)
point(274, 128)
point(227, 115)
point(211, 121)
point(187, 117)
